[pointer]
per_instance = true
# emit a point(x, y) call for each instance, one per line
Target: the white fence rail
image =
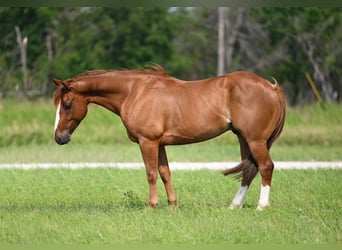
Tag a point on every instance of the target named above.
point(281, 165)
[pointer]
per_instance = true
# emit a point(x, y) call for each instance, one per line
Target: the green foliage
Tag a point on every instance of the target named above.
point(111, 38)
point(108, 206)
point(83, 39)
point(194, 43)
point(271, 41)
point(308, 35)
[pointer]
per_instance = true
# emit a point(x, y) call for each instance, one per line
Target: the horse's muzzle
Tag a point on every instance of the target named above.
point(62, 138)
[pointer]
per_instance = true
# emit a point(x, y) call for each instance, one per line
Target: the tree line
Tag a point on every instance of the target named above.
point(299, 46)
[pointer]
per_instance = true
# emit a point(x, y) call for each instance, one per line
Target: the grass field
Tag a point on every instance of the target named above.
point(108, 206)
point(95, 206)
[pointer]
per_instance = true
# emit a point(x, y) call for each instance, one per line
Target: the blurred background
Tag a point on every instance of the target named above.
point(292, 44)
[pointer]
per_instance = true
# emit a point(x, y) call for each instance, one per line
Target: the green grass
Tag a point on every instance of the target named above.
point(202, 152)
point(313, 124)
point(96, 206)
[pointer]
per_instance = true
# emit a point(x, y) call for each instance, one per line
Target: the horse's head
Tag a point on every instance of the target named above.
point(71, 109)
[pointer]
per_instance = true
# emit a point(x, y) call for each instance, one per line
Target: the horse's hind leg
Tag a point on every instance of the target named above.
point(262, 157)
point(165, 174)
point(248, 170)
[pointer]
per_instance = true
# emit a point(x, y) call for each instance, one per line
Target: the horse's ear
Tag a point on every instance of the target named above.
point(60, 82)
point(56, 81)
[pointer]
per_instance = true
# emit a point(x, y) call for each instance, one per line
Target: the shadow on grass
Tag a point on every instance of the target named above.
point(128, 202)
point(72, 207)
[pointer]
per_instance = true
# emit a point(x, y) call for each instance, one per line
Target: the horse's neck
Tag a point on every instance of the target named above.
point(109, 92)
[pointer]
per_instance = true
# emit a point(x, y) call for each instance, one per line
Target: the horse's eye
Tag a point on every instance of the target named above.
point(67, 106)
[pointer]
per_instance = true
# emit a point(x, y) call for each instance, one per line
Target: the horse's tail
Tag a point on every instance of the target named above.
point(280, 124)
point(246, 170)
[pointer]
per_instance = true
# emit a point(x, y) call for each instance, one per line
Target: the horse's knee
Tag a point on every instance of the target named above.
point(152, 176)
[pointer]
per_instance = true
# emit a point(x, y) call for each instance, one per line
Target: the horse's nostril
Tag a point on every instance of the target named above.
point(64, 139)
point(58, 139)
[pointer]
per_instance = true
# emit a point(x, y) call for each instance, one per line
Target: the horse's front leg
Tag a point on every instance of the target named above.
point(149, 151)
point(165, 174)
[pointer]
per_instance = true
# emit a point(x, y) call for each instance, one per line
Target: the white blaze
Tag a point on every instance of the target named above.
point(57, 115)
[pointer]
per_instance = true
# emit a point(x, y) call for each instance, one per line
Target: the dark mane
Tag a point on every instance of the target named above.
point(153, 69)
point(91, 73)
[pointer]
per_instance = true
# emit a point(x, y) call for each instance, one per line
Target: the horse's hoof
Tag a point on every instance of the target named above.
point(262, 207)
point(173, 204)
point(152, 205)
point(235, 206)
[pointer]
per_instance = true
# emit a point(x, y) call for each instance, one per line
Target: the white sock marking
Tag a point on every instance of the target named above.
point(57, 115)
point(264, 197)
point(240, 195)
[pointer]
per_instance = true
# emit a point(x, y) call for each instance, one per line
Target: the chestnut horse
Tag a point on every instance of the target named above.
point(159, 110)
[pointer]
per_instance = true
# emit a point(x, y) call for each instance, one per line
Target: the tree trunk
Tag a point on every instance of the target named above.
point(318, 73)
point(48, 43)
point(22, 43)
point(221, 44)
